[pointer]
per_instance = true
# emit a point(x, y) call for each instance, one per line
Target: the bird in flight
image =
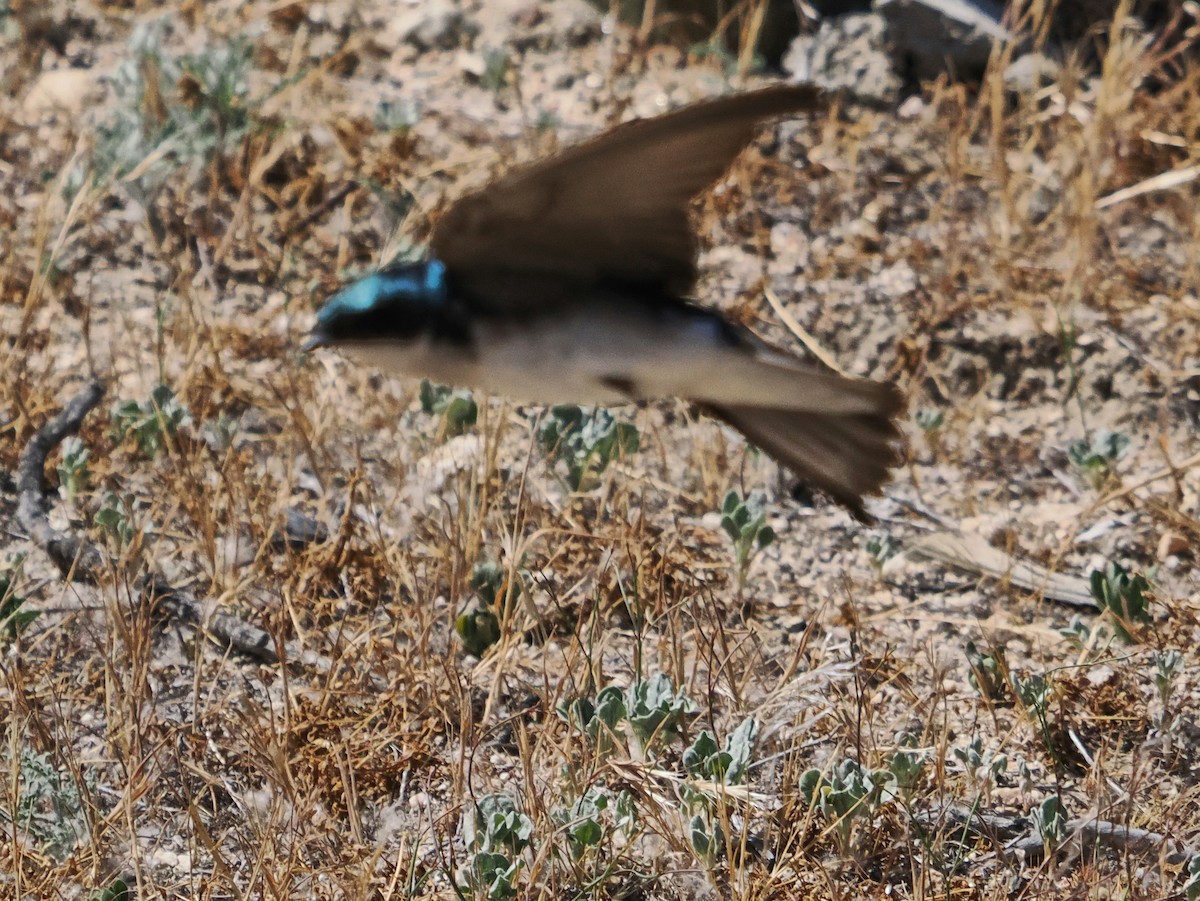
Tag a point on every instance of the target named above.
point(566, 282)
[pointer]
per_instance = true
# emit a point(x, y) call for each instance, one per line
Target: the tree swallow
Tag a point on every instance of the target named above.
point(565, 282)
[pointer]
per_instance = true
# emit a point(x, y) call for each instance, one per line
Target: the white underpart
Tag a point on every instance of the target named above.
point(577, 358)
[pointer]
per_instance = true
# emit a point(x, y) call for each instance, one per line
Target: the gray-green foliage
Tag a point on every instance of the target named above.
point(1077, 631)
point(1050, 820)
point(599, 720)
point(654, 711)
point(153, 423)
point(983, 766)
point(745, 522)
point(1095, 458)
point(882, 548)
point(73, 468)
point(905, 764)
point(1124, 596)
point(929, 421)
point(848, 792)
point(397, 116)
point(1034, 693)
point(456, 407)
point(49, 811)
point(988, 671)
point(479, 625)
point(1191, 888)
point(595, 817)
point(587, 442)
point(496, 68)
point(645, 716)
point(219, 432)
point(173, 110)
point(115, 519)
point(1167, 667)
point(13, 615)
point(496, 833)
point(726, 764)
point(117, 890)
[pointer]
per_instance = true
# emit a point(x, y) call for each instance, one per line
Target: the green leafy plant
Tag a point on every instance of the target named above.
point(587, 442)
point(599, 720)
point(49, 808)
point(1034, 694)
point(656, 711)
point(929, 421)
point(153, 423)
point(114, 519)
point(982, 766)
point(848, 792)
point(1124, 596)
point(73, 468)
point(117, 890)
point(478, 629)
point(906, 764)
point(1025, 776)
point(496, 833)
point(397, 116)
point(988, 672)
point(1191, 888)
point(882, 548)
point(706, 837)
point(1050, 820)
point(479, 624)
point(456, 407)
point(496, 68)
point(594, 818)
point(219, 432)
point(1077, 632)
point(725, 764)
point(173, 110)
point(1096, 458)
point(13, 618)
point(745, 522)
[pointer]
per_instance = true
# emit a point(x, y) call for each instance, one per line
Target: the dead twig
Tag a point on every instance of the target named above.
point(75, 557)
point(970, 553)
point(1088, 832)
point(81, 561)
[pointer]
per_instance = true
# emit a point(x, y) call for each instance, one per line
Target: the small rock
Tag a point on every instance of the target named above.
point(1172, 544)
point(472, 64)
point(430, 25)
point(1030, 73)
point(418, 801)
point(65, 90)
point(847, 52)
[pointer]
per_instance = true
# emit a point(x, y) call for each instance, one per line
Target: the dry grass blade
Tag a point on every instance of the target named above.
point(322, 637)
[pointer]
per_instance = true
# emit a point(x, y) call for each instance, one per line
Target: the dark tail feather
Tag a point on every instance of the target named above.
point(845, 455)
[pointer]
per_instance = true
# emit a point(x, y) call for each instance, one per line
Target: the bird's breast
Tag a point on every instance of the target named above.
point(584, 353)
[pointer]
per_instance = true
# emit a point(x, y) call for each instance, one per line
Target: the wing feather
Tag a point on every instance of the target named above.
point(615, 206)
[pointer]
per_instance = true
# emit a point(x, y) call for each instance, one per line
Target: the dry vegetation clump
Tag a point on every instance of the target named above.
point(332, 635)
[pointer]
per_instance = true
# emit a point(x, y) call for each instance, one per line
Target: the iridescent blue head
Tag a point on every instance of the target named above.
point(395, 304)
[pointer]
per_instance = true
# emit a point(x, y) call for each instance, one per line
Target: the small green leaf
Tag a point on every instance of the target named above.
point(117, 890)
